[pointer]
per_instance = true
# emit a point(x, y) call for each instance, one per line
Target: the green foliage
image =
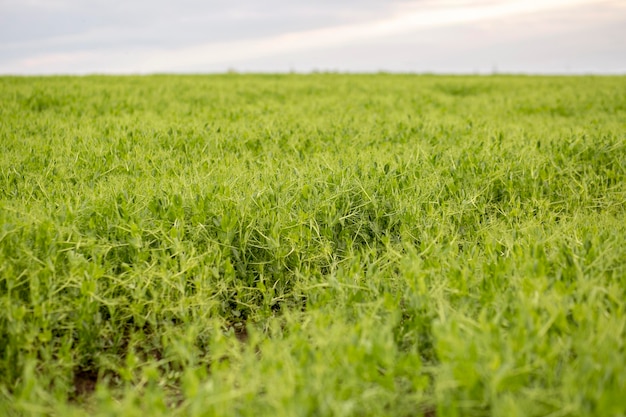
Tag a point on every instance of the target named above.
point(312, 245)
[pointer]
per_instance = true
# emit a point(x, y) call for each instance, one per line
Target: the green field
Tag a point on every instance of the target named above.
point(313, 245)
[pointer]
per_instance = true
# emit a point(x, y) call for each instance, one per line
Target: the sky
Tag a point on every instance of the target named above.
point(195, 36)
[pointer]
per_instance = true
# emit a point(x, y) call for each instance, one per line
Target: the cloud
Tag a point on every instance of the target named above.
point(168, 40)
point(405, 20)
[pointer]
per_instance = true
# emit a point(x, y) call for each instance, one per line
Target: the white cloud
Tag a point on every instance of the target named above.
point(406, 20)
point(144, 47)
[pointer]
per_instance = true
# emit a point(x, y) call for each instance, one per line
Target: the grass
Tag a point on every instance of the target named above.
point(313, 245)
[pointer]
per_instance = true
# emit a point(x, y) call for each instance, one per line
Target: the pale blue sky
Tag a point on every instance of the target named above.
point(452, 36)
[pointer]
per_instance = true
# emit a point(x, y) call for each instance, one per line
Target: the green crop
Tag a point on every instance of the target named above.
point(345, 245)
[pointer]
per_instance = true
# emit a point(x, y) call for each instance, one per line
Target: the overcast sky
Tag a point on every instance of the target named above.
point(452, 36)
